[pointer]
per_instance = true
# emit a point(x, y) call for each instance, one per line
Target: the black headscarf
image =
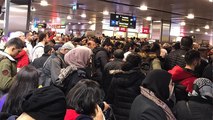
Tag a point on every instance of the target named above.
point(158, 81)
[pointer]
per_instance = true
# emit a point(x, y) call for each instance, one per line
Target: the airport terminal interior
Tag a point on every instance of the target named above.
point(106, 59)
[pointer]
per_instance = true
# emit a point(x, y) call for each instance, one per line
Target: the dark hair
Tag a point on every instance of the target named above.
point(128, 46)
point(191, 56)
point(186, 42)
point(155, 47)
point(107, 42)
point(25, 81)
point(47, 48)
point(42, 36)
point(84, 97)
point(52, 41)
point(176, 46)
point(17, 42)
point(119, 54)
point(133, 60)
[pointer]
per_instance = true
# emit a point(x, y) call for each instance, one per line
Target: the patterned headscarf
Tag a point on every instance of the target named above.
point(203, 87)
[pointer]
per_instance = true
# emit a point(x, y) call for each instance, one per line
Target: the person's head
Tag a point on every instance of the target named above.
point(25, 81)
point(160, 83)
point(51, 43)
point(155, 47)
point(119, 54)
point(79, 56)
point(176, 46)
point(18, 34)
point(128, 47)
point(84, 97)
point(91, 44)
point(133, 60)
point(108, 45)
point(14, 46)
point(203, 87)
point(47, 103)
point(43, 37)
point(48, 50)
point(192, 58)
point(29, 36)
point(186, 42)
point(66, 48)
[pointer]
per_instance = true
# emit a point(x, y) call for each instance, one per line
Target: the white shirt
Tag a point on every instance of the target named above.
point(29, 48)
point(126, 54)
point(38, 51)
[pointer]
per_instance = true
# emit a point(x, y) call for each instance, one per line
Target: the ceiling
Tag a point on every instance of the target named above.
point(174, 10)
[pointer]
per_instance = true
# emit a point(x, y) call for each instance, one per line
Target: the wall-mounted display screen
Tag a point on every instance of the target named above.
point(125, 21)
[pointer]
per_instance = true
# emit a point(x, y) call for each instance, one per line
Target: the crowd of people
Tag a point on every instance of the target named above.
point(48, 76)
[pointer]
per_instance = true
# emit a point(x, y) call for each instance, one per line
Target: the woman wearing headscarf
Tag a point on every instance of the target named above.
point(77, 59)
point(124, 87)
point(156, 89)
point(199, 106)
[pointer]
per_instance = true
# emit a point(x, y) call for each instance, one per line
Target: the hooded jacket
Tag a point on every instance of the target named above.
point(183, 77)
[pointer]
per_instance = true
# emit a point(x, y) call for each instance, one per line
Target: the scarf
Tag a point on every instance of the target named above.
point(150, 95)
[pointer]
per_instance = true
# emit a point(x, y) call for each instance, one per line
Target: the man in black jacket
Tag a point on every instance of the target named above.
point(101, 56)
point(177, 57)
point(39, 62)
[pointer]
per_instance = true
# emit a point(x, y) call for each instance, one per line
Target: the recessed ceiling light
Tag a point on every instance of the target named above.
point(69, 23)
point(106, 12)
point(79, 23)
point(206, 27)
point(43, 21)
point(103, 22)
point(158, 21)
point(143, 7)
point(182, 23)
point(191, 16)
point(210, 0)
point(69, 17)
point(191, 31)
point(148, 18)
point(198, 30)
point(44, 3)
point(83, 15)
point(206, 33)
point(90, 22)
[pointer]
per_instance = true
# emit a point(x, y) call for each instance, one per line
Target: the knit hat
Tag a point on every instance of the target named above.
point(68, 45)
point(203, 87)
point(47, 103)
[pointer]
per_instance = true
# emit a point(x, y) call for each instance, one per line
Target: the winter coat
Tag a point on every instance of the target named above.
point(198, 109)
point(52, 69)
point(183, 79)
point(39, 62)
point(22, 59)
point(107, 76)
point(123, 90)
point(175, 58)
point(8, 71)
point(99, 60)
point(73, 115)
point(144, 109)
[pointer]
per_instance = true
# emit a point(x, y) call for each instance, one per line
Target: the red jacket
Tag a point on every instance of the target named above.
point(183, 77)
point(22, 59)
point(71, 115)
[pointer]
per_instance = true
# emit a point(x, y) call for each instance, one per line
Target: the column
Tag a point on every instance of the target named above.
point(6, 17)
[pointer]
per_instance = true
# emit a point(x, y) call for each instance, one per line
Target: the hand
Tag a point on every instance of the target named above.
point(98, 114)
point(106, 106)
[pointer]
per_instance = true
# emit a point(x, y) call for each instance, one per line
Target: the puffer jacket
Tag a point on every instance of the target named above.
point(175, 58)
point(123, 90)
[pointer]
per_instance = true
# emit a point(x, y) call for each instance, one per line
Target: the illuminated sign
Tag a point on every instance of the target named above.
point(123, 21)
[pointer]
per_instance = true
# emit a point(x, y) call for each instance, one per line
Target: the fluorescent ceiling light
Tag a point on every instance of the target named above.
point(198, 30)
point(191, 16)
point(79, 23)
point(83, 15)
point(158, 21)
point(106, 12)
point(44, 3)
point(43, 21)
point(69, 17)
point(206, 27)
point(143, 7)
point(58, 18)
point(148, 18)
point(69, 23)
point(182, 23)
point(191, 31)
point(14, 9)
point(206, 33)
point(33, 9)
